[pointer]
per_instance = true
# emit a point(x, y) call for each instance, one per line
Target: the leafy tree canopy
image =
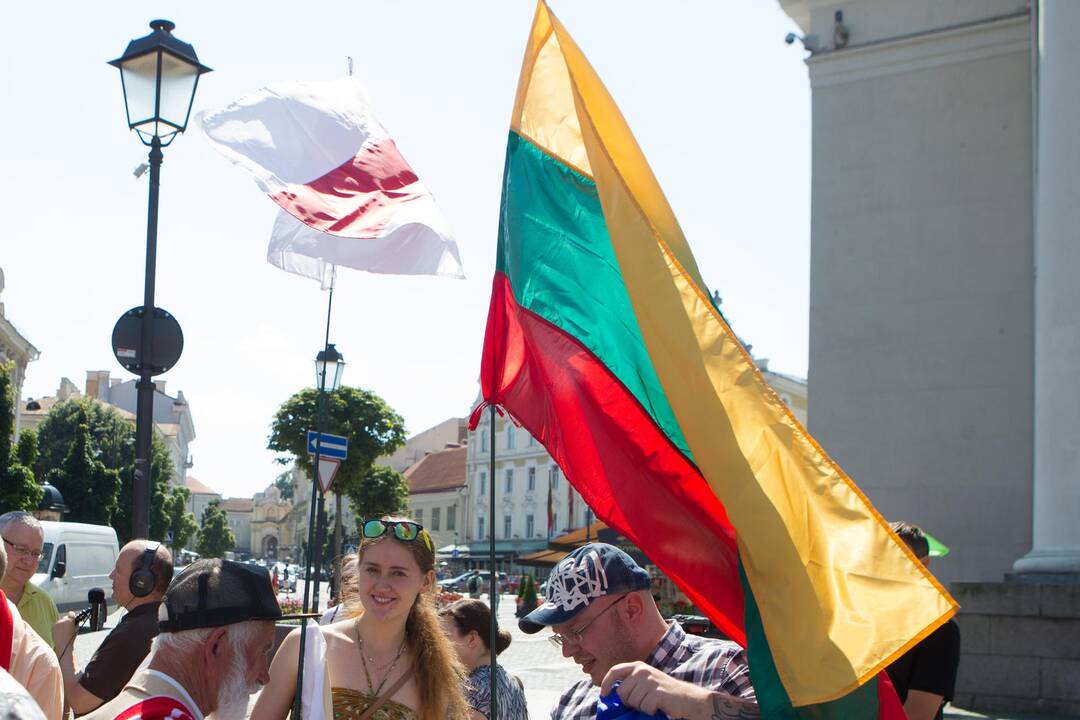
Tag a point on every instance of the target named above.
point(19, 490)
point(26, 451)
point(177, 518)
point(111, 440)
point(284, 483)
point(215, 537)
point(372, 427)
point(89, 488)
point(380, 491)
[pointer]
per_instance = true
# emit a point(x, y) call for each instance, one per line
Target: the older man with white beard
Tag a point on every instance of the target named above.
point(213, 653)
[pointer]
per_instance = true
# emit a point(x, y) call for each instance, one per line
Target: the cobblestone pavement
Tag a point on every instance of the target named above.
point(543, 670)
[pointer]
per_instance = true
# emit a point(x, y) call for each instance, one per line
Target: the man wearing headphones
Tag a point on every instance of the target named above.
point(140, 578)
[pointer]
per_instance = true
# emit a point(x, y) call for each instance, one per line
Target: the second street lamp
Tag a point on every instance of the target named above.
point(159, 74)
point(329, 365)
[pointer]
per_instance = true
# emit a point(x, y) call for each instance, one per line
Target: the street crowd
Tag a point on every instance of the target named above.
point(203, 643)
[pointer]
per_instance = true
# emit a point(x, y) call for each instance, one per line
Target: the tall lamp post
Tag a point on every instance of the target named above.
point(329, 366)
point(159, 74)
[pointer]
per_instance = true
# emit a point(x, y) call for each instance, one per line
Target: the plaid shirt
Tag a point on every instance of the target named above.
point(719, 665)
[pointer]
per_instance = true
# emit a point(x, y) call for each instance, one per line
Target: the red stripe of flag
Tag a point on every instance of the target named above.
point(625, 468)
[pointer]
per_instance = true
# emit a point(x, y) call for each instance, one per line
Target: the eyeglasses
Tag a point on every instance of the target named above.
point(405, 530)
point(576, 636)
point(25, 551)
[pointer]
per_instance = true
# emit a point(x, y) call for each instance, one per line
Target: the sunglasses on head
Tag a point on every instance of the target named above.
point(405, 530)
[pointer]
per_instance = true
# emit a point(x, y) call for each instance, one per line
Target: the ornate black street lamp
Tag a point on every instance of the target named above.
point(329, 365)
point(159, 74)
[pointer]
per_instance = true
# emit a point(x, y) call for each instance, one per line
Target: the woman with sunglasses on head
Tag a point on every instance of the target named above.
point(468, 625)
point(389, 651)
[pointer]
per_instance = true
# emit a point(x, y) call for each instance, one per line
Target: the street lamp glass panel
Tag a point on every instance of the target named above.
point(178, 81)
point(333, 369)
point(331, 363)
point(339, 368)
point(139, 75)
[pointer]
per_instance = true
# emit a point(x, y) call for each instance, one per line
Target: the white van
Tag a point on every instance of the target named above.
point(75, 558)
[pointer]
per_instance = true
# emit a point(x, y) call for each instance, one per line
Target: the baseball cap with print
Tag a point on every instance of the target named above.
point(212, 593)
point(591, 571)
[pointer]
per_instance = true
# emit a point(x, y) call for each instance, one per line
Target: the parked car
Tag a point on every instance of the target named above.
point(457, 583)
point(75, 558)
point(461, 582)
point(699, 625)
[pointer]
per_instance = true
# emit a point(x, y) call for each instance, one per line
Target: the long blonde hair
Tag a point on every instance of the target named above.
point(436, 668)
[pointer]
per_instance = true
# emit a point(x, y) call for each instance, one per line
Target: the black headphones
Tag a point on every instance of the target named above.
point(142, 581)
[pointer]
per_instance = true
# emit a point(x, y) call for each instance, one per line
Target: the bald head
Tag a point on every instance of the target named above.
point(131, 559)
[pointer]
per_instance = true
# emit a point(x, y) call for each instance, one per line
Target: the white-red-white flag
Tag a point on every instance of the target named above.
point(347, 195)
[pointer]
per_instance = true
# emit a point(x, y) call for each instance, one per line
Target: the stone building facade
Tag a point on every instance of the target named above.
point(16, 349)
point(437, 494)
point(943, 295)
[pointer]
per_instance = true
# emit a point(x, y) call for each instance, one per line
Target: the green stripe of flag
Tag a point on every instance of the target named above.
point(773, 700)
point(554, 247)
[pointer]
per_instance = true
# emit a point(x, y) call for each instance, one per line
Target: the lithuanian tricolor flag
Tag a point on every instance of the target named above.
point(603, 343)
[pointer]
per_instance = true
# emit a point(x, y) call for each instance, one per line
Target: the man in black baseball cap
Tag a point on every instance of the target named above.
point(217, 631)
point(601, 611)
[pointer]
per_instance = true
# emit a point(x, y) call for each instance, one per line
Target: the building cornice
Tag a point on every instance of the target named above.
point(13, 339)
point(921, 51)
point(452, 490)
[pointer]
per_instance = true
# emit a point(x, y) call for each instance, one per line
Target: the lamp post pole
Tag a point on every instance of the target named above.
point(144, 415)
point(159, 74)
point(328, 361)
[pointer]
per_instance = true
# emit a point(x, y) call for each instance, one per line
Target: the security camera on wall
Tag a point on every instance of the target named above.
point(809, 42)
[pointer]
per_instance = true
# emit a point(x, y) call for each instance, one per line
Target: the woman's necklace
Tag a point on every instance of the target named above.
point(364, 662)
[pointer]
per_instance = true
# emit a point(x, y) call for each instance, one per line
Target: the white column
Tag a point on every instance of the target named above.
point(1056, 519)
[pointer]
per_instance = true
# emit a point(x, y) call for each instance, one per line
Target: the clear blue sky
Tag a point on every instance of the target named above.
point(719, 104)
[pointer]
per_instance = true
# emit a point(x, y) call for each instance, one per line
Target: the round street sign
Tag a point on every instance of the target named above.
point(127, 341)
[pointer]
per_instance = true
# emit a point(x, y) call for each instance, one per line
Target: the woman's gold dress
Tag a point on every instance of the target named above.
point(350, 704)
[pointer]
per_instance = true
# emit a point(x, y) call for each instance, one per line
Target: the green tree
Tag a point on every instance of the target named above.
point(113, 439)
point(215, 537)
point(284, 483)
point(89, 488)
point(26, 451)
point(112, 436)
point(18, 488)
point(161, 470)
point(179, 521)
point(381, 491)
point(372, 427)
point(528, 594)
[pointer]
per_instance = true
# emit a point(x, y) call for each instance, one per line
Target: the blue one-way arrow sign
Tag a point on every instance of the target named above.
point(333, 446)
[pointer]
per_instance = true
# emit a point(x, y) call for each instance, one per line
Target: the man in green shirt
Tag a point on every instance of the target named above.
point(23, 540)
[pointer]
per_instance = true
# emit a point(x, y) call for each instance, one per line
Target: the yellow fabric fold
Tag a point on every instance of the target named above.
point(621, 145)
point(544, 108)
point(839, 595)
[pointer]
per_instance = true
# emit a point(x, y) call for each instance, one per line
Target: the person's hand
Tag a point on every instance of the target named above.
point(647, 689)
point(63, 631)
